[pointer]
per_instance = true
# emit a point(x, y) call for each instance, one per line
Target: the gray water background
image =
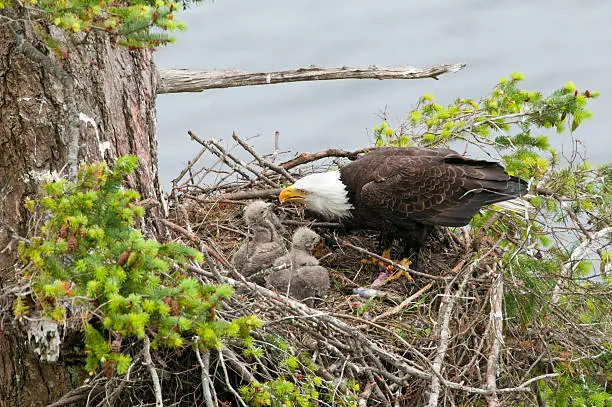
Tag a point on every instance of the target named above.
point(550, 41)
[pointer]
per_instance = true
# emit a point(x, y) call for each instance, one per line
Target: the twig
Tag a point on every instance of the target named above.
point(578, 254)
point(391, 262)
point(238, 367)
point(495, 337)
point(227, 381)
point(305, 158)
point(220, 154)
point(523, 386)
point(266, 271)
point(111, 399)
point(79, 394)
point(365, 394)
point(146, 351)
point(185, 80)
point(398, 308)
point(190, 164)
point(204, 367)
point(312, 224)
point(253, 171)
point(252, 194)
point(194, 238)
point(446, 308)
point(261, 161)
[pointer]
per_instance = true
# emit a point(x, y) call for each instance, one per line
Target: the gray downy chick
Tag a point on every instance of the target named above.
point(304, 280)
point(262, 246)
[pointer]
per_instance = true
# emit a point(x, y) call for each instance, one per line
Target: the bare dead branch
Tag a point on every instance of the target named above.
point(190, 165)
point(446, 308)
point(305, 158)
point(220, 152)
point(185, 80)
point(227, 382)
point(495, 338)
point(264, 163)
point(252, 194)
point(204, 366)
point(391, 262)
point(597, 240)
point(77, 395)
point(148, 362)
point(241, 163)
point(403, 304)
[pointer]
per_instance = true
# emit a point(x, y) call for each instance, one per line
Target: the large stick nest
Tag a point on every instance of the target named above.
point(442, 336)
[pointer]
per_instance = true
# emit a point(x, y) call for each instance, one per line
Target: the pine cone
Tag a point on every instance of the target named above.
point(63, 231)
point(109, 368)
point(116, 345)
point(72, 244)
point(123, 258)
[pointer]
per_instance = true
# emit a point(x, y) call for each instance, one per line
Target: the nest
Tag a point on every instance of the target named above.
point(440, 334)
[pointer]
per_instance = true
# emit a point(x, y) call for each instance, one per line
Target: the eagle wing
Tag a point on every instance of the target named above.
point(412, 186)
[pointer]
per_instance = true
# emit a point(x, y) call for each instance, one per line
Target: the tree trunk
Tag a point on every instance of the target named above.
point(86, 100)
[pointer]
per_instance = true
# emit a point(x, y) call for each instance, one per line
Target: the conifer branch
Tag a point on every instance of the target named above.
point(185, 80)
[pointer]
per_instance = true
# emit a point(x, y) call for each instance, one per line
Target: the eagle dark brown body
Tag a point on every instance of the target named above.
point(406, 191)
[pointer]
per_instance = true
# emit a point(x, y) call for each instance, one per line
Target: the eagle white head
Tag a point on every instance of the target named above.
point(323, 193)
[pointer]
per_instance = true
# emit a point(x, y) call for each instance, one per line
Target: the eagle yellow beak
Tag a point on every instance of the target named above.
point(290, 194)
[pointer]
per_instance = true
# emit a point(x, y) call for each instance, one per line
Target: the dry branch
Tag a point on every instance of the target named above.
point(148, 362)
point(397, 309)
point(596, 241)
point(495, 338)
point(252, 194)
point(186, 80)
point(306, 158)
point(264, 163)
point(443, 332)
point(391, 262)
point(206, 381)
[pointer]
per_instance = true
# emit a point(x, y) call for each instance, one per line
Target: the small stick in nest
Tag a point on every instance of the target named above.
point(148, 362)
point(207, 388)
point(391, 262)
point(332, 152)
point(282, 171)
point(252, 194)
point(219, 153)
point(397, 309)
point(258, 174)
point(190, 165)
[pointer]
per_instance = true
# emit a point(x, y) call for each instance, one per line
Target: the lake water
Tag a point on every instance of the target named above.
point(550, 41)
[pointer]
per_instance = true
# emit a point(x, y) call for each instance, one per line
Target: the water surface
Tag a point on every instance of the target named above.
point(551, 42)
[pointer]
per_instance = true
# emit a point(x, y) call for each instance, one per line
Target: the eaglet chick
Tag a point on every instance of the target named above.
point(305, 279)
point(263, 244)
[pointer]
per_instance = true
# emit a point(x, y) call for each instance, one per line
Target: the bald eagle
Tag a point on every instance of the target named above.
point(406, 192)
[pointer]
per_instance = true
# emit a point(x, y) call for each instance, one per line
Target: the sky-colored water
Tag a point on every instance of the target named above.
point(550, 41)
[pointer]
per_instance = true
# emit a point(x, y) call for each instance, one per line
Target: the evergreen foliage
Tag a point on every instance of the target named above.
point(573, 201)
point(135, 24)
point(297, 384)
point(91, 267)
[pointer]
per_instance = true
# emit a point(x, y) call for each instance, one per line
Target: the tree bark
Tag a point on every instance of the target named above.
point(86, 100)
